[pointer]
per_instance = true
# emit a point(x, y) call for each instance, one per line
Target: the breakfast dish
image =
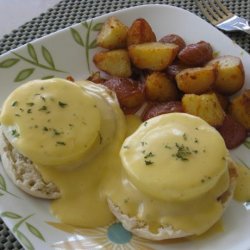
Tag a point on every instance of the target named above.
point(83, 216)
point(161, 202)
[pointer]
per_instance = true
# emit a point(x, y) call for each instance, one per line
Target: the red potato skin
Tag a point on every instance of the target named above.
point(197, 54)
point(155, 109)
point(173, 38)
point(232, 132)
point(130, 93)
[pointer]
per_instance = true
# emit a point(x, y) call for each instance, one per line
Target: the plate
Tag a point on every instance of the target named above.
point(69, 52)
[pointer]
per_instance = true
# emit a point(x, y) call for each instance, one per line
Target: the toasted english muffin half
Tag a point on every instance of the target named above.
point(23, 172)
point(141, 228)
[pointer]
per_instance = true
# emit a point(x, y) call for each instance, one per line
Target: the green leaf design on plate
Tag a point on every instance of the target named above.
point(247, 142)
point(2, 183)
point(32, 52)
point(77, 37)
point(97, 27)
point(35, 231)
point(93, 44)
point(24, 240)
point(11, 215)
point(1, 194)
point(9, 62)
point(23, 74)
point(85, 24)
point(48, 57)
point(47, 77)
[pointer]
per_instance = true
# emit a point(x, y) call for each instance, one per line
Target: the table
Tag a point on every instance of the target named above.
point(68, 12)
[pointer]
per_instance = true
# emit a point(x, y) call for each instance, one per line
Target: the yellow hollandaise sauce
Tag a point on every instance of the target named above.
point(52, 122)
point(73, 133)
point(173, 174)
point(167, 172)
point(242, 190)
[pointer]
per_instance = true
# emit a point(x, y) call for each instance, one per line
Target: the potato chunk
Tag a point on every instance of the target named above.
point(160, 88)
point(196, 80)
point(113, 34)
point(230, 74)
point(240, 109)
point(114, 62)
point(206, 106)
point(140, 32)
point(153, 56)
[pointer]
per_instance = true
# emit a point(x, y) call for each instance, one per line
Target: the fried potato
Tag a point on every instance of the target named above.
point(153, 56)
point(240, 109)
point(113, 34)
point(196, 54)
point(196, 80)
point(173, 38)
point(114, 62)
point(206, 106)
point(160, 88)
point(230, 74)
point(140, 32)
point(129, 92)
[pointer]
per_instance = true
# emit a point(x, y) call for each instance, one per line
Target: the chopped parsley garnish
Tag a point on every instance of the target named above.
point(150, 154)
point(143, 143)
point(182, 153)
point(61, 143)
point(184, 136)
point(43, 98)
point(43, 108)
point(62, 104)
point(148, 162)
point(30, 104)
point(126, 146)
point(45, 129)
point(14, 133)
point(168, 147)
point(14, 104)
point(56, 132)
point(145, 124)
point(196, 140)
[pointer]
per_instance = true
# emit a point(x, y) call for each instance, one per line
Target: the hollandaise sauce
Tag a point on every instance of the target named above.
point(242, 191)
point(173, 174)
point(170, 172)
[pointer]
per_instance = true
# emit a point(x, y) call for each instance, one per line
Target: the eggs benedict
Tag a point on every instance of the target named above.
point(58, 139)
point(177, 178)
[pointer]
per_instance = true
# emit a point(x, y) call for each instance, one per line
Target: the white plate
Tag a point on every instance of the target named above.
point(64, 53)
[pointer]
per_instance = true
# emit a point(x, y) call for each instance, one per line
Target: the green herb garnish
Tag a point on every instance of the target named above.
point(14, 133)
point(62, 104)
point(61, 143)
point(14, 104)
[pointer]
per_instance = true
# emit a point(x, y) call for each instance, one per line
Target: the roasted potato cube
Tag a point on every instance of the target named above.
point(153, 56)
point(196, 80)
point(160, 88)
point(173, 38)
point(196, 54)
point(114, 62)
point(230, 74)
point(96, 78)
point(140, 32)
point(206, 106)
point(223, 100)
point(129, 92)
point(240, 109)
point(113, 34)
